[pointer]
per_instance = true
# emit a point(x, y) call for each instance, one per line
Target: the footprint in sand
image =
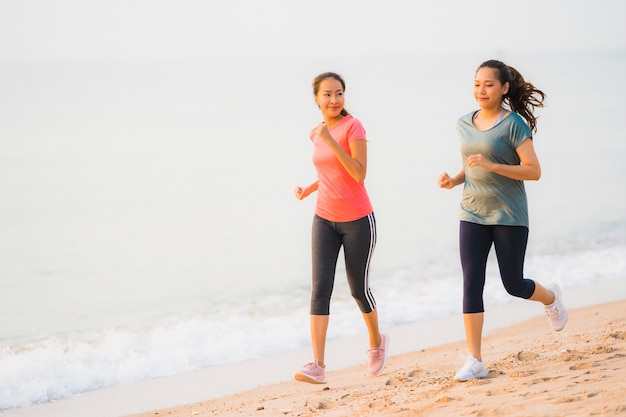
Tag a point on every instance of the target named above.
point(582, 365)
point(323, 406)
point(445, 399)
point(393, 381)
point(525, 356)
point(599, 350)
point(570, 355)
point(522, 374)
point(567, 400)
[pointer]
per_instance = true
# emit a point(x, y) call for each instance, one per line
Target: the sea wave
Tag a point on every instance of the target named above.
point(255, 326)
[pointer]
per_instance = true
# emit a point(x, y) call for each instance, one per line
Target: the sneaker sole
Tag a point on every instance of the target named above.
point(562, 325)
point(302, 377)
point(479, 376)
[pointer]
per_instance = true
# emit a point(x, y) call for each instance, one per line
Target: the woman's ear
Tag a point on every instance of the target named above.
point(505, 88)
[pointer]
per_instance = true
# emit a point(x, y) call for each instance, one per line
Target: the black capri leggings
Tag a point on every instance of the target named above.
point(475, 242)
point(358, 239)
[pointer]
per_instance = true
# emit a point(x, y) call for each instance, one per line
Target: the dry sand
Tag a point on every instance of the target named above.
point(533, 371)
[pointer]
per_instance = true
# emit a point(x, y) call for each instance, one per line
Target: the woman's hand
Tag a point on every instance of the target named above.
point(478, 160)
point(528, 169)
point(322, 132)
point(446, 181)
point(301, 192)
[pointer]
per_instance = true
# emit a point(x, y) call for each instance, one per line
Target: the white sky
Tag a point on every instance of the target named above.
point(199, 29)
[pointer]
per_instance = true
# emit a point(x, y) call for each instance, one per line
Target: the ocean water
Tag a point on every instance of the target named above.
point(148, 224)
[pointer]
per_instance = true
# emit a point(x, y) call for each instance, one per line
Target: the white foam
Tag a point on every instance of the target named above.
point(65, 365)
point(201, 385)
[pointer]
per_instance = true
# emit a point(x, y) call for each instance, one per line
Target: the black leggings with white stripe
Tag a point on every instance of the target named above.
point(358, 239)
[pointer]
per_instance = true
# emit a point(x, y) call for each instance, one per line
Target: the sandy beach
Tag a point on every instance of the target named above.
point(533, 371)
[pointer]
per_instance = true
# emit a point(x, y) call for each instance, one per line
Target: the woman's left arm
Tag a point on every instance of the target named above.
point(354, 163)
point(528, 169)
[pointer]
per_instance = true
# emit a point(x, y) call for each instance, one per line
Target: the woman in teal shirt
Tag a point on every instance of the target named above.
point(498, 156)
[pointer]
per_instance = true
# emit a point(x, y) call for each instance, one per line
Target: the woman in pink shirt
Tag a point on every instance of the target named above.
point(343, 218)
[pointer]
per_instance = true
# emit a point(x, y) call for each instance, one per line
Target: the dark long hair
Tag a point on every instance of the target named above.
point(522, 97)
point(318, 80)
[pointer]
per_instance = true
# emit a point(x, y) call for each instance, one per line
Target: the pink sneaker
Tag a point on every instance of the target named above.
point(312, 373)
point(378, 356)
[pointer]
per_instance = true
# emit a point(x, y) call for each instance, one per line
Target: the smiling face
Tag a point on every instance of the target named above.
point(330, 98)
point(488, 89)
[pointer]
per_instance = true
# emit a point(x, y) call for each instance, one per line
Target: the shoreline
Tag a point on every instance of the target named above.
point(229, 382)
point(533, 371)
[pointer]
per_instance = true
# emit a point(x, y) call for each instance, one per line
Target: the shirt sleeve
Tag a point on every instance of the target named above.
point(356, 131)
point(519, 132)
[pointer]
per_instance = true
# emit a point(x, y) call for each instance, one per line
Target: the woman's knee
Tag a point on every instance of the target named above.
point(521, 288)
point(365, 305)
point(473, 300)
point(364, 299)
point(320, 305)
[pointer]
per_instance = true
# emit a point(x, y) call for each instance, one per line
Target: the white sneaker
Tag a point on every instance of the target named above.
point(472, 369)
point(557, 314)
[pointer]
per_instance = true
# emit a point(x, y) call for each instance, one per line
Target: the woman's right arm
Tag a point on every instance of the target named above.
point(445, 181)
point(305, 192)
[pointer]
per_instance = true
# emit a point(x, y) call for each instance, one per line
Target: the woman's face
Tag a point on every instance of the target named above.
point(488, 90)
point(330, 98)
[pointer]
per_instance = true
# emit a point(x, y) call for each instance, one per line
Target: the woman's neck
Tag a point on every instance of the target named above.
point(488, 112)
point(484, 121)
point(332, 121)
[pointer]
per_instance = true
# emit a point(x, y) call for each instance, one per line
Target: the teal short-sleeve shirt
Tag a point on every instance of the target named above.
point(489, 198)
